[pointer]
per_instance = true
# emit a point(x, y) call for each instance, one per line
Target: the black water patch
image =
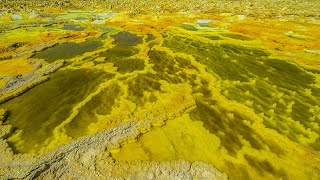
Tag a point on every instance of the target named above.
point(125, 65)
point(74, 27)
point(124, 38)
point(264, 167)
point(300, 111)
point(288, 75)
point(68, 50)
point(163, 63)
point(271, 77)
point(237, 171)
point(170, 68)
point(217, 120)
point(120, 54)
point(315, 92)
point(315, 71)
point(100, 104)
point(106, 29)
point(229, 62)
point(140, 84)
point(121, 58)
point(38, 111)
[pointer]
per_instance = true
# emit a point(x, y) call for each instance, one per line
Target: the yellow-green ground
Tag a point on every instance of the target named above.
point(233, 91)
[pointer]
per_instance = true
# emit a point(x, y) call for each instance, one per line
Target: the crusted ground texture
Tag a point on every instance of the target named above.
point(160, 89)
point(88, 158)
